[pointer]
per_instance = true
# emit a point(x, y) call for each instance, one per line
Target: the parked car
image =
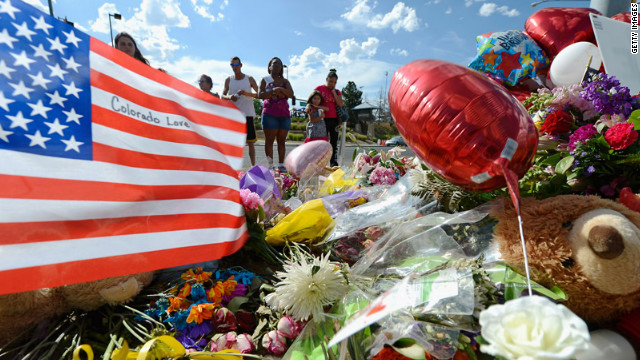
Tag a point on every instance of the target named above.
point(396, 141)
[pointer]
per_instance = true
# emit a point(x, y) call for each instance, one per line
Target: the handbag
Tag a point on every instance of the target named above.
point(342, 113)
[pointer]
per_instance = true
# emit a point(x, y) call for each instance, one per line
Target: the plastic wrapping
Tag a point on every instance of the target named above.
point(259, 180)
point(308, 223)
point(337, 182)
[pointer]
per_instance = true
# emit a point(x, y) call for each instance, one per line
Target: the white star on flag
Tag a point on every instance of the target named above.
point(39, 109)
point(57, 45)
point(4, 134)
point(23, 30)
point(4, 102)
point(71, 38)
point(5, 70)
point(41, 24)
point(56, 127)
point(37, 139)
point(57, 71)
point(40, 52)
point(23, 60)
point(6, 7)
point(72, 144)
point(39, 80)
point(21, 89)
point(73, 116)
point(5, 38)
point(72, 89)
point(56, 98)
point(71, 64)
point(19, 121)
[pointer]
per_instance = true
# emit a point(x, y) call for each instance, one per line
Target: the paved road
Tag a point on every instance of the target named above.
point(261, 159)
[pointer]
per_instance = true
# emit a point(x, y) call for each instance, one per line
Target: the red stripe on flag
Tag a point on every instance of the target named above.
point(159, 104)
point(138, 67)
point(124, 123)
point(26, 187)
point(106, 153)
point(31, 278)
point(22, 233)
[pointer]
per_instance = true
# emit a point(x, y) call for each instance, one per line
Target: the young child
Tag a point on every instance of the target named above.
point(316, 128)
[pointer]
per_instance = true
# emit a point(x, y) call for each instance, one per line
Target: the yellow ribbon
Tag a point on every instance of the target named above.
point(164, 347)
point(85, 350)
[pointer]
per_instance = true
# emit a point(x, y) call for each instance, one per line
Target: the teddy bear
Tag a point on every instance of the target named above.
point(586, 245)
point(21, 311)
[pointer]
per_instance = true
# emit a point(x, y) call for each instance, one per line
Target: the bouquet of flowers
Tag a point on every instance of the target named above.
point(589, 139)
point(382, 168)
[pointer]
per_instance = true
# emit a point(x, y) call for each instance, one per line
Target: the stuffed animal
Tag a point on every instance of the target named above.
point(588, 246)
point(21, 311)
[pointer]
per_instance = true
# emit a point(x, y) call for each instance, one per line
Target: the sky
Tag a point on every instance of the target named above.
point(365, 40)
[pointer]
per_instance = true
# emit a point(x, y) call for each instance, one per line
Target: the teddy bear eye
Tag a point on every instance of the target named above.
point(567, 224)
point(567, 263)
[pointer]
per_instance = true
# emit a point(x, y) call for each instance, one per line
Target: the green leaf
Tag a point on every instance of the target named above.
point(551, 160)
point(600, 126)
point(634, 118)
point(236, 303)
point(315, 269)
point(563, 165)
point(397, 162)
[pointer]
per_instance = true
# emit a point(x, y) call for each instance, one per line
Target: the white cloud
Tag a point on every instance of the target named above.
point(205, 8)
point(330, 24)
point(449, 10)
point(163, 13)
point(38, 4)
point(299, 33)
point(400, 17)
point(468, 3)
point(153, 40)
point(400, 52)
point(487, 9)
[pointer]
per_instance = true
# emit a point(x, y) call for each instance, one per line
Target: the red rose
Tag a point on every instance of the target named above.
point(557, 122)
point(620, 136)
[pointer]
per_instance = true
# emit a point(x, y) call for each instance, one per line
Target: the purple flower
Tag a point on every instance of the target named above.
point(196, 331)
point(607, 95)
point(582, 134)
point(240, 290)
point(190, 343)
point(591, 169)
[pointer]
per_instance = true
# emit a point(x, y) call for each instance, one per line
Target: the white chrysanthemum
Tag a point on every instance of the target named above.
point(306, 287)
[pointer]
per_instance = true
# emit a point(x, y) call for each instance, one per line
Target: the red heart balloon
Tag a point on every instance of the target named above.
point(555, 28)
point(624, 17)
point(461, 124)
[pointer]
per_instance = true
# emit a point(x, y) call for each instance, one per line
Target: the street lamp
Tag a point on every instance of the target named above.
point(286, 67)
point(117, 17)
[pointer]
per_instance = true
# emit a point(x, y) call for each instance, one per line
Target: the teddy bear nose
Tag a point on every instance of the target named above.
point(606, 241)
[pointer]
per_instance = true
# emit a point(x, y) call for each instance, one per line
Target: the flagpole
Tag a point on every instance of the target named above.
point(50, 8)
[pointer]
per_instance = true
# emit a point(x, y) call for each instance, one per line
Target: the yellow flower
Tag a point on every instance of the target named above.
point(177, 303)
point(197, 275)
point(200, 312)
point(185, 291)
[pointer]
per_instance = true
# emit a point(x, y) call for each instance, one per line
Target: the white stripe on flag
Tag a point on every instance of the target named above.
point(29, 210)
point(123, 140)
point(119, 104)
point(153, 88)
point(24, 164)
point(59, 251)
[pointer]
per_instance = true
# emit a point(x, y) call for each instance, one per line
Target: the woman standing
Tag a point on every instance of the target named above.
point(125, 43)
point(332, 97)
point(276, 119)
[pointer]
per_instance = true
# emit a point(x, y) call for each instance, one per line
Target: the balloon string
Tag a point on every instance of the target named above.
point(524, 252)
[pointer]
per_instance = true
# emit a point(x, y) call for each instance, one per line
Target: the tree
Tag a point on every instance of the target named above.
point(257, 105)
point(352, 97)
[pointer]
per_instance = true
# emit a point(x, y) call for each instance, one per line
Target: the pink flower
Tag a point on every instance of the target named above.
point(382, 176)
point(581, 135)
point(289, 328)
point(620, 136)
point(223, 320)
point(240, 174)
point(243, 342)
point(250, 200)
point(274, 342)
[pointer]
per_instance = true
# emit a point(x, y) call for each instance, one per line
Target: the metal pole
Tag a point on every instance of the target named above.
point(50, 8)
point(110, 30)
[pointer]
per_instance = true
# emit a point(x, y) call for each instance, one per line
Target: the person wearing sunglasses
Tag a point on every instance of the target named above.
point(241, 89)
point(206, 84)
point(276, 118)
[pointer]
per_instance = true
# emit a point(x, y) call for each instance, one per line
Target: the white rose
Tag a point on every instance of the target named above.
point(532, 327)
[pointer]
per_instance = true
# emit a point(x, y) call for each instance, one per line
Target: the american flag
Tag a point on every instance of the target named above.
point(108, 167)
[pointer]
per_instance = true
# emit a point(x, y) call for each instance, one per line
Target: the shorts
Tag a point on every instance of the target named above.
point(270, 122)
point(251, 130)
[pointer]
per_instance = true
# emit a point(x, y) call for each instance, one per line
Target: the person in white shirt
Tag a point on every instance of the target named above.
point(241, 89)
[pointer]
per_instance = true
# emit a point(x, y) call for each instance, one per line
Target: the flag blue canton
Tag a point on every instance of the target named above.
point(45, 89)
